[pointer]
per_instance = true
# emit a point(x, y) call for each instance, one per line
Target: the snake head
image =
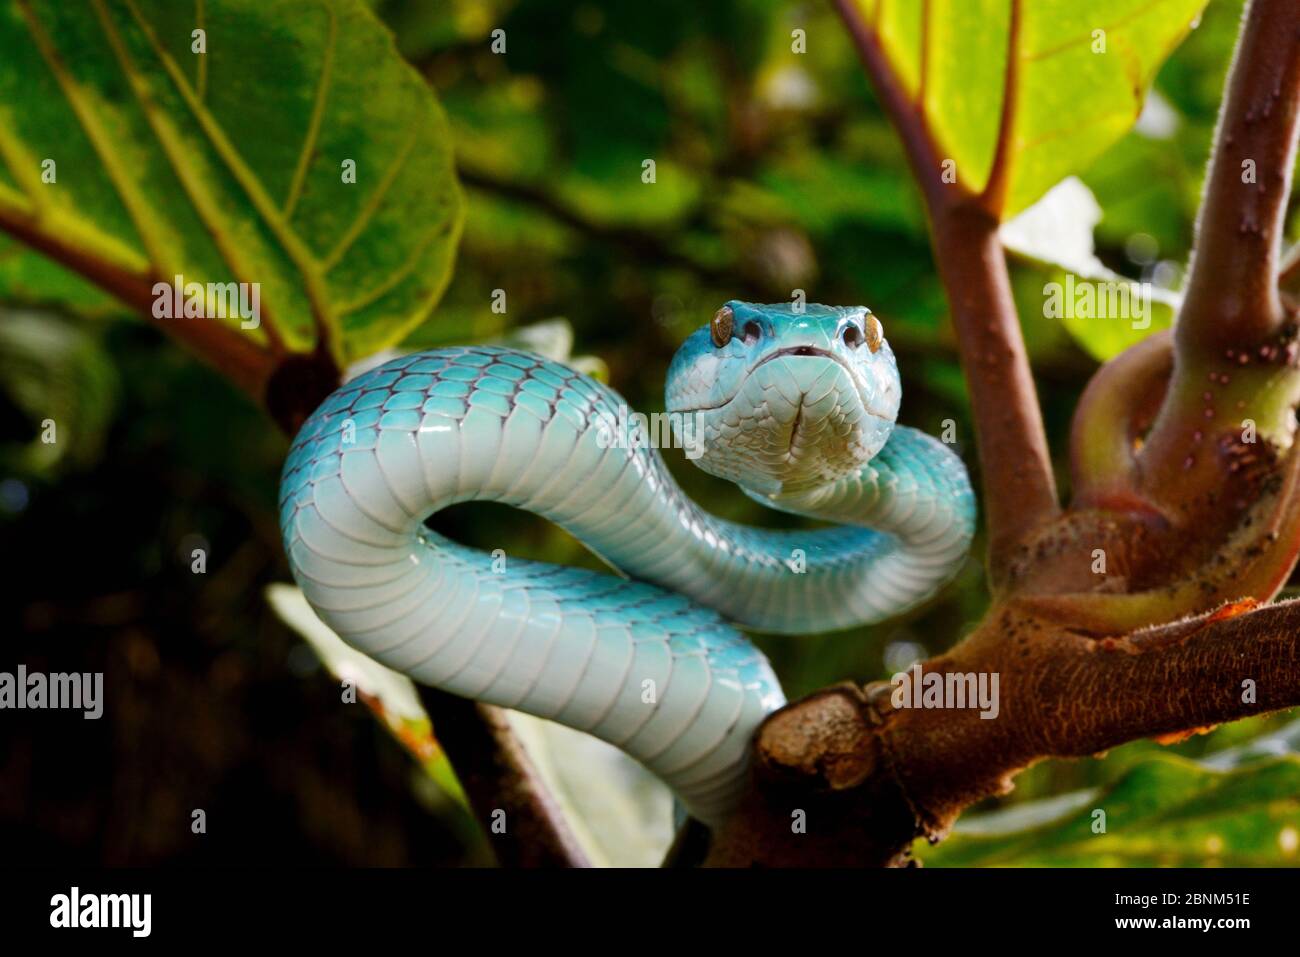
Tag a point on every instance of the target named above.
point(781, 397)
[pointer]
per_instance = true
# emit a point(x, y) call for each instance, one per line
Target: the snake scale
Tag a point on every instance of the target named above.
point(795, 405)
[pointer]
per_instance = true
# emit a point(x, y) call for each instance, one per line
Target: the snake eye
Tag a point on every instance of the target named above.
point(875, 334)
point(720, 328)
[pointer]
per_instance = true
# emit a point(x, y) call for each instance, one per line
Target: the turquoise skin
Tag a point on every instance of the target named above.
point(650, 665)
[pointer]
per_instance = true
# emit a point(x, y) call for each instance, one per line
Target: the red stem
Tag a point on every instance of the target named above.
point(1018, 484)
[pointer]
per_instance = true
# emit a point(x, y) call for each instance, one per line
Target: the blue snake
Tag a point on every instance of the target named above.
point(795, 404)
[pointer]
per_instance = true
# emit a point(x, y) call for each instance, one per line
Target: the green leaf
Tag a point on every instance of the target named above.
point(228, 165)
point(1055, 92)
point(1238, 807)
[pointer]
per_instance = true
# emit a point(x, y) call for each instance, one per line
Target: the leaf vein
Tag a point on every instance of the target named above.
point(317, 114)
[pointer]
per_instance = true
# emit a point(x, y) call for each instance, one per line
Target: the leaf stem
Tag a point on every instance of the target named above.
point(232, 353)
point(1019, 487)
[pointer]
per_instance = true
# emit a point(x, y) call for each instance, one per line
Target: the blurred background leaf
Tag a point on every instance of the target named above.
point(61, 386)
point(1239, 807)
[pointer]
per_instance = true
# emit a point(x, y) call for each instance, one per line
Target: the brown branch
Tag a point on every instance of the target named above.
point(498, 775)
point(1235, 346)
point(1232, 293)
point(871, 778)
point(1223, 666)
point(1018, 484)
point(1118, 405)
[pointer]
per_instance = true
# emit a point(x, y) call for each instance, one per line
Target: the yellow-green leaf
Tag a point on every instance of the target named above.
point(1055, 82)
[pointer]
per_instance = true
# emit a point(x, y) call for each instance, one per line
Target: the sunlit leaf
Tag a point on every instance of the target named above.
point(1048, 84)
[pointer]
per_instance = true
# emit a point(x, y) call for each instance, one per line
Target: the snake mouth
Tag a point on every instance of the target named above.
point(786, 352)
point(801, 351)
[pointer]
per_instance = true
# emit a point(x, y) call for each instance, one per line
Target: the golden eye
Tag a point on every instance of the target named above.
point(723, 321)
point(875, 334)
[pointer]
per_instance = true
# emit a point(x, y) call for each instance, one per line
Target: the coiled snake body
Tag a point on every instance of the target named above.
point(797, 407)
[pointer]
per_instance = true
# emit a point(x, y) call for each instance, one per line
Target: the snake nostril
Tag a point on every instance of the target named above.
point(752, 332)
point(852, 336)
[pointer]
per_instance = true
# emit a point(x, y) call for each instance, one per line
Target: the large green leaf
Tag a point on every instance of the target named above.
point(1239, 807)
point(228, 165)
point(1064, 96)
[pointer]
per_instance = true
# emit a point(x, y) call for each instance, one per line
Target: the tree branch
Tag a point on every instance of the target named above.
point(498, 775)
point(871, 778)
point(1115, 410)
point(1231, 293)
point(1018, 484)
point(1235, 342)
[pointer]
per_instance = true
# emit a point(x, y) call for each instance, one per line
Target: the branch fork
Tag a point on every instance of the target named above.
point(1198, 517)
